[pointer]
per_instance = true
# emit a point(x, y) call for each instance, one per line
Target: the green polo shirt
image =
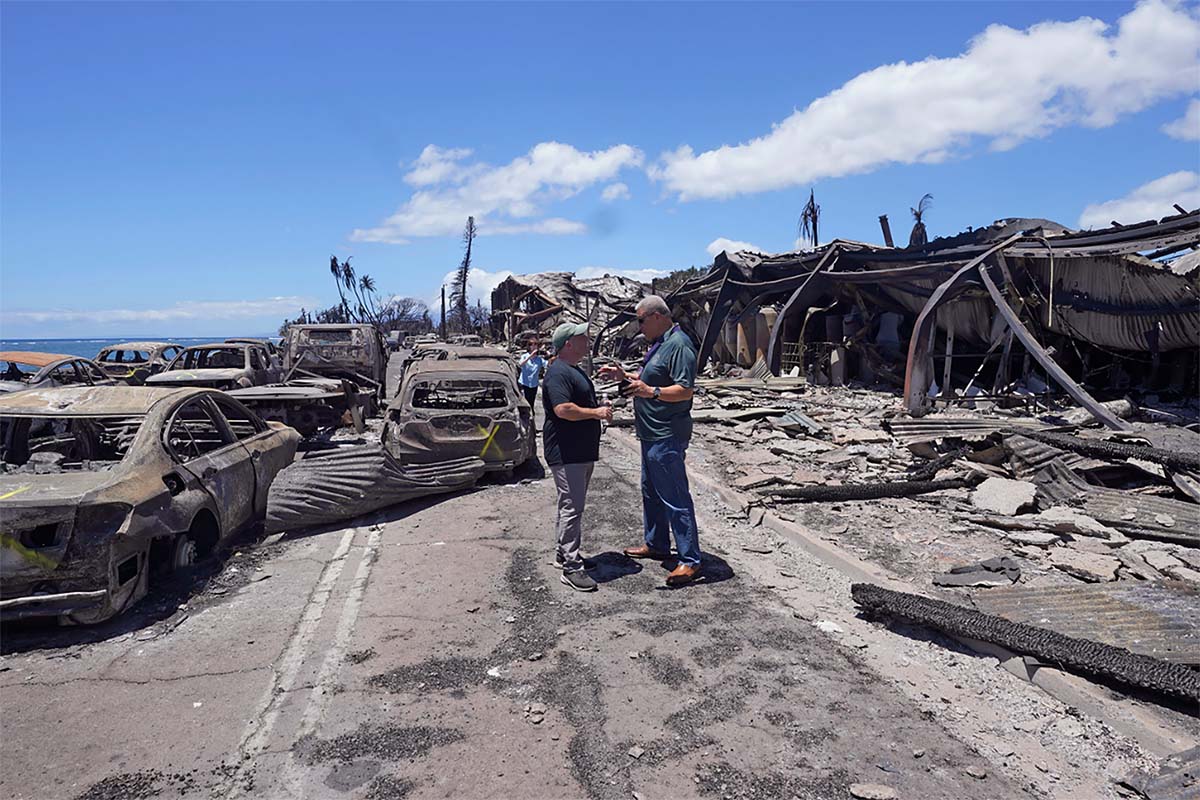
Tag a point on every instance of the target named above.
point(673, 362)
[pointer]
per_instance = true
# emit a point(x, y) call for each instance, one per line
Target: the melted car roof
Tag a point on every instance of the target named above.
point(88, 401)
point(35, 359)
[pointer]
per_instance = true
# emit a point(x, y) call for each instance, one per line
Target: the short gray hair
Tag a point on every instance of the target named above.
point(653, 304)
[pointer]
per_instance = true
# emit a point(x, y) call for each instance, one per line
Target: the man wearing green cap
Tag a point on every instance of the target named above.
point(571, 442)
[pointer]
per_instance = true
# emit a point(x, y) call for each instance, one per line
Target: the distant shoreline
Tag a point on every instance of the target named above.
point(91, 346)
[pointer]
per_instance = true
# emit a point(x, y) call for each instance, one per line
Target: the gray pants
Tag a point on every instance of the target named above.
point(571, 481)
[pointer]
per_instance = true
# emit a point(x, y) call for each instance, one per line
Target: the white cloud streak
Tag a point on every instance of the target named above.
point(1008, 86)
point(1187, 127)
point(202, 310)
point(721, 244)
point(508, 199)
point(1152, 200)
point(615, 191)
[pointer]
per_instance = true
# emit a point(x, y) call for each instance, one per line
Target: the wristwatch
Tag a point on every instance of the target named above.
point(657, 391)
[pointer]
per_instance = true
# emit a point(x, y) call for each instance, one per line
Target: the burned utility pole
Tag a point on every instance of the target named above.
point(887, 230)
point(442, 324)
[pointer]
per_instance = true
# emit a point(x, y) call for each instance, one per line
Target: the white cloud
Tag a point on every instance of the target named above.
point(554, 226)
point(615, 191)
point(1010, 85)
point(480, 284)
point(504, 200)
point(1152, 200)
point(204, 310)
point(437, 164)
point(1187, 127)
point(722, 244)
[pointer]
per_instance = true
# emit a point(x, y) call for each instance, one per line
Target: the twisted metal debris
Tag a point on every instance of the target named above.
point(355, 481)
point(1086, 656)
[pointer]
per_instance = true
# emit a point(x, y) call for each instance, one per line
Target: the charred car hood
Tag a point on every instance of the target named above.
point(186, 376)
point(42, 491)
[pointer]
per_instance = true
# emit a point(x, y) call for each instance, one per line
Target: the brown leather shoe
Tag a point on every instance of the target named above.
point(644, 551)
point(683, 574)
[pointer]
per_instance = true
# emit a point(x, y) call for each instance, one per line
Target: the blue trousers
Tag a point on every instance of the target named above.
point(667, 502)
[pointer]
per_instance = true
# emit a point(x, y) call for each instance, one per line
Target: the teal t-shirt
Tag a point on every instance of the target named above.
point(672, 362)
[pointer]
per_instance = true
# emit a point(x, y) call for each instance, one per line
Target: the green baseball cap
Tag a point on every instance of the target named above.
point(566, 331)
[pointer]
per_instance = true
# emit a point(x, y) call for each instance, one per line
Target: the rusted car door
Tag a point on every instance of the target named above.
point(208, 453)
point(262, 442)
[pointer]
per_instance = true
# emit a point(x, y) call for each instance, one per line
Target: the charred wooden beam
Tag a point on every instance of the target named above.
point(1093, 658)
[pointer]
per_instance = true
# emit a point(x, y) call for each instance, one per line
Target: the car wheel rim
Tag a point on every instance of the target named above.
point(185, 553)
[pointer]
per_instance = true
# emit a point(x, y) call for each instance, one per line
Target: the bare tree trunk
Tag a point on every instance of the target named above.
point(458, 291)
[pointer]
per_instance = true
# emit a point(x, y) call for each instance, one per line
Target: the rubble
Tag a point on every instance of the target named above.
point(1003, 496)
point(540, 301)
point(1090, 567)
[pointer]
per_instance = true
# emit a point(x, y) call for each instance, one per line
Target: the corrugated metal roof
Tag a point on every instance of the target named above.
point(1028, 458)
point(355, 481)
point(1140, 516)
point(911, 430)
point(1159, 618)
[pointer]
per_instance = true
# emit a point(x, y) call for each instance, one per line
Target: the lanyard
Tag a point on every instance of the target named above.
point(654, 347)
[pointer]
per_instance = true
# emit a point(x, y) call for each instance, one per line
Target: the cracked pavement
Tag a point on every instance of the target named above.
point(431, 651)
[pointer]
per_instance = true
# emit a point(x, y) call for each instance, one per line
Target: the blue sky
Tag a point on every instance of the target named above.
point(187, 169)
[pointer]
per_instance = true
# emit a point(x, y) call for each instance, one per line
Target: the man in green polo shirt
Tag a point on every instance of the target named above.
point(662, 407)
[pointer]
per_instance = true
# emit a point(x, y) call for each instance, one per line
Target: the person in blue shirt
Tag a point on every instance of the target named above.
point(532, 365)
point(662, 408)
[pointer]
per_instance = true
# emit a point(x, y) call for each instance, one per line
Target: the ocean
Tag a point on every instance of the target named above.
point(89, 348)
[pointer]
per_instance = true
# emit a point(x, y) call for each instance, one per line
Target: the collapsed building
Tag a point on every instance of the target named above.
point(1020, 309)
point(537, 303)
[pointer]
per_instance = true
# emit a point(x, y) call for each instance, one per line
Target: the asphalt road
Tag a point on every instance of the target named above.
point(432, 652)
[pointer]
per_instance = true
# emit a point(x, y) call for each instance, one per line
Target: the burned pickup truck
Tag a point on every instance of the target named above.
point(454, 409)
point(102, 486)
point(334, 375)
point(351, 352)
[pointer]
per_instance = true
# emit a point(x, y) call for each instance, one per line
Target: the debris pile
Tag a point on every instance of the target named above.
point(999, 509)
point(1021, 311)
point(540, 301)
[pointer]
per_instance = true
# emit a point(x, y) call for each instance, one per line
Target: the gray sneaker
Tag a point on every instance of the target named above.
point(579, 580)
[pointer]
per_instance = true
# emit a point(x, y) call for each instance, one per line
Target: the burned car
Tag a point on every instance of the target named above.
point(453, 409)
point(133, 362)
point(101, 486)
point(449, 352)
point(219, 366)
point(352, 352)
point(266, 344)
point(22, 370)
